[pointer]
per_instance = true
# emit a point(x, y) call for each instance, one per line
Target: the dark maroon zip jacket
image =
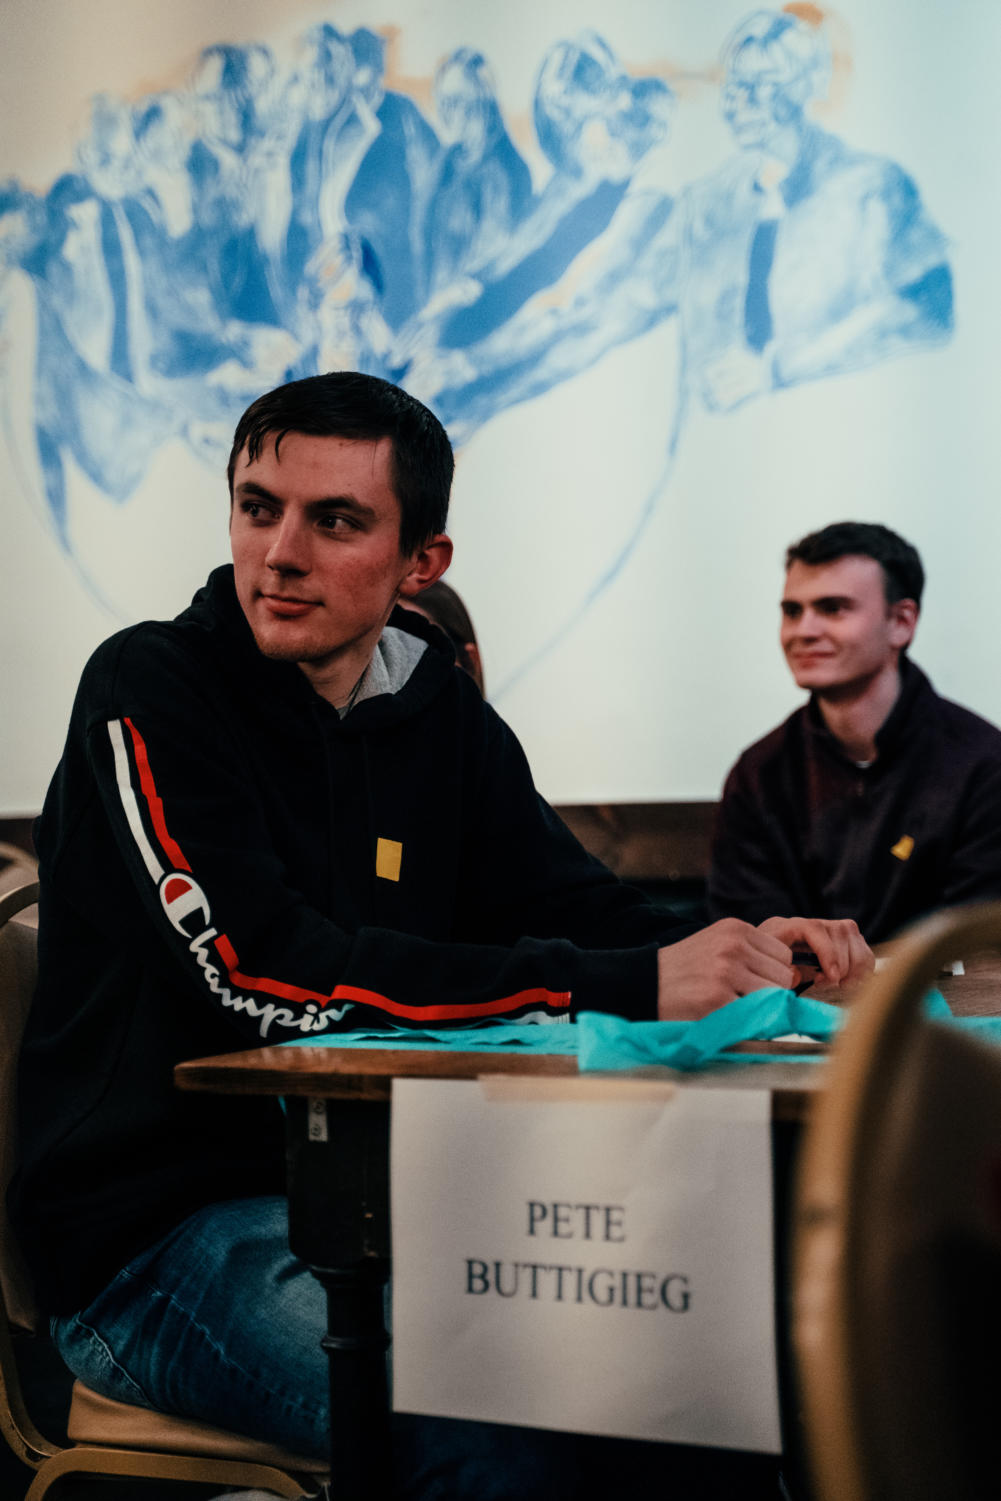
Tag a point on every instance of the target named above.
point(802, 829)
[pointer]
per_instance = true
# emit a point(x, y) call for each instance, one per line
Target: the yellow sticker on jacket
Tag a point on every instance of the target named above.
point(388, 858)
point(903, 847)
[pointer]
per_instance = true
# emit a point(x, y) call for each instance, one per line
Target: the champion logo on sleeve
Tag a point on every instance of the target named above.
point(189, 913)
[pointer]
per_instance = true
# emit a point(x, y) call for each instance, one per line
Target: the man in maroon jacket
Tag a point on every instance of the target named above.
point(877, 800)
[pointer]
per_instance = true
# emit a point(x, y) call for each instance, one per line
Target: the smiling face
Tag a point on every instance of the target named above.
point(839, 633)
point(315, 537)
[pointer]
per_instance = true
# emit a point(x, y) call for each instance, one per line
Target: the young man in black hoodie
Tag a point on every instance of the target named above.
point(280, 814)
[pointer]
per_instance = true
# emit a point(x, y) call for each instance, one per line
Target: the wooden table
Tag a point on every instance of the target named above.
point(337, 1155)
point(978, 991)
point(337, 1133)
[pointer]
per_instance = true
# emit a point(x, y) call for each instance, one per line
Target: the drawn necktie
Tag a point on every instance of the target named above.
point(757, 312)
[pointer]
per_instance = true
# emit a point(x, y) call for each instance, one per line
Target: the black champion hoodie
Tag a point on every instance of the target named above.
point(226, 862)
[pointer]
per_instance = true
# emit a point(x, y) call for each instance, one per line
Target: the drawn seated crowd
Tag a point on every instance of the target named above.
point(272, 220)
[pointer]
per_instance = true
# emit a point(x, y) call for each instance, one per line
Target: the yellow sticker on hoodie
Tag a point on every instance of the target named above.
point(388, 859)
point(903, 847)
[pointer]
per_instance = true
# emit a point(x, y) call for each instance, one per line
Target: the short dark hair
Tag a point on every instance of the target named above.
point(347, 404)
point(903, 575)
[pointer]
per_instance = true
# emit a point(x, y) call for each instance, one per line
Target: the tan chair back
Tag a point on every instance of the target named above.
point(17, 867)
point(897, 1248)
point(18, 962)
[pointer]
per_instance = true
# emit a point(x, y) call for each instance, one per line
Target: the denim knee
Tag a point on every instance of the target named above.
point(219, 1322)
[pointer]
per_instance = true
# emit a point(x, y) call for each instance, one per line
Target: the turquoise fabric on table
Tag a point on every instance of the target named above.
point(489, 1037)
point(988, 1028)
point(609, 1042)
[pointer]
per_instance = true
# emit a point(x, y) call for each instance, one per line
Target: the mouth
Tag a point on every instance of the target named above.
point(286, 607)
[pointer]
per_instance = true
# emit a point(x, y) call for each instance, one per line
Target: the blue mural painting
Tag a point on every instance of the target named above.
point(798, 258)
point(266, 222)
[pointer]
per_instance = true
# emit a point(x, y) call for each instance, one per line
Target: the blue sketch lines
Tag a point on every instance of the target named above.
point(798, 258)
point(267, 221)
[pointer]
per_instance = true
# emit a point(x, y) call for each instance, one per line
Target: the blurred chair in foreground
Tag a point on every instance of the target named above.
point(17, 867)
point(897, 1248)
point(106, 1437)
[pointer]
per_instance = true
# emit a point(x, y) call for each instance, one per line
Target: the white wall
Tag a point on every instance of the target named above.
point(650, 692)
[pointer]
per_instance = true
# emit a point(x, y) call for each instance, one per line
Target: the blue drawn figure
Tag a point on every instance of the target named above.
point(81, 407)
point(593, 126)
point(482, 187)
point(187, 333)
point(117, 229)
point(228, 89)
point(338, 311)
point(163, 129)
point(596, 125)
point(233, 97)
point(385, 204)
point(336, 307)
point(803, 257)
point(336, 130)
point(799, 258)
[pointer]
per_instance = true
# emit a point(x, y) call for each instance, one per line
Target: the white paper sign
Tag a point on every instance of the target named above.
point(600, 1265)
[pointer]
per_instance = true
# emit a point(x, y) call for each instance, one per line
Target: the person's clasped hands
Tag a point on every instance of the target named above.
point(733, 958)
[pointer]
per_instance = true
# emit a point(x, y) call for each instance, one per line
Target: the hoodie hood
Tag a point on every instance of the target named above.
point(416, 660)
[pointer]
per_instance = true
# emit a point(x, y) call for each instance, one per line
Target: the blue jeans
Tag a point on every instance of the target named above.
point(219, 1322)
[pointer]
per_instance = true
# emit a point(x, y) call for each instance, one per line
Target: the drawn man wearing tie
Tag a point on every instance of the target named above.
point(802, 256)
point(799, 257)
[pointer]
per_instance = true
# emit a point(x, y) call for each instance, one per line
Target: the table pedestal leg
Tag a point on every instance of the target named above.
point(356, 1343)
point(338, 1186)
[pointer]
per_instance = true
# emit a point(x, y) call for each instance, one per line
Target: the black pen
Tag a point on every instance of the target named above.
point(805, 959)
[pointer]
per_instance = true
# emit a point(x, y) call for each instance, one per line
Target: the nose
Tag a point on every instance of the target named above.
point(289, 551)
point(807, 627)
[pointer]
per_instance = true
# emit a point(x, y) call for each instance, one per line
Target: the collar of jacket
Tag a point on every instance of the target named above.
point(907, 715)
point(217, 609)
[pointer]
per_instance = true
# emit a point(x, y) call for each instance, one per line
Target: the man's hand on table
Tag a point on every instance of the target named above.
point(844, 957)
point(732, 958)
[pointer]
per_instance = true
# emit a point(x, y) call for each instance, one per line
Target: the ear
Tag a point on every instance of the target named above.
point(903, 622)
point(427, 565)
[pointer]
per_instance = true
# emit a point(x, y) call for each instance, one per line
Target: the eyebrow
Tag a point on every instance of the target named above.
point(824, 602)
point(250, 490)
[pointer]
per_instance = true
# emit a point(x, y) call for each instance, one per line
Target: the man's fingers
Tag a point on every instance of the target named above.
point(810, 933)
point(748, 959)
point(861, 959)
point(841, 951)
point(728, 959)
point(831, 952)
point(764, 941)
point(731, 958)
point(762, 975)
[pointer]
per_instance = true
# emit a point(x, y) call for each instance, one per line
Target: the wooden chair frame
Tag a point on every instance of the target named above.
point(15, 855)
point(835, 1175)
point(107, 1437)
